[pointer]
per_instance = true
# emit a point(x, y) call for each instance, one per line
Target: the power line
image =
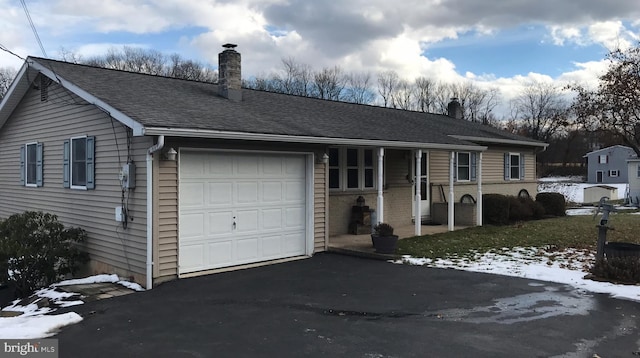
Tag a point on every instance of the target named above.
point(3, 48)
point(33, 27)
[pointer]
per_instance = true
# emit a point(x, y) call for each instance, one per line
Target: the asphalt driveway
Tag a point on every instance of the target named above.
point(339, 306)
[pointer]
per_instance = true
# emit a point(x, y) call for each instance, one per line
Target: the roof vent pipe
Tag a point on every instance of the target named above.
point(454, 108)
point(229, 74)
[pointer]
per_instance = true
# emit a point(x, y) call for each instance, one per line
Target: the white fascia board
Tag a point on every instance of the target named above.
point(14, 94)
point(214, 134)
point(138, 129)
point(501, 141)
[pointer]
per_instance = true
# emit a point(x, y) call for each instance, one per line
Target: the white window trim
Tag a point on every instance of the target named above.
point(600, 159)
point(614, 173)
point(342, 169)
point(26, 165)
point(468, 167)
point(511, 166)
point(71, 186)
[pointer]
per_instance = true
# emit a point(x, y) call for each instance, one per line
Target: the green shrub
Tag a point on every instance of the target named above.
point(495, 209)
point(618, 269)
point(553, 203)
point(520, 209)
point(36, 251)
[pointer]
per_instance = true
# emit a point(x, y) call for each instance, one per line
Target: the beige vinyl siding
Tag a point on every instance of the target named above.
point(166, 222)
point(492, 174)
point(62, 116)
point(319, 207)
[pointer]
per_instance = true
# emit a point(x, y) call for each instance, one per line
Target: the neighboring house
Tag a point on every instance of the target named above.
point(634, 181)
point(608, 165)
point(174, 178)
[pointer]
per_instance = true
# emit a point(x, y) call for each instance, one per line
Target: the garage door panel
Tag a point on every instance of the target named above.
point(219, 166)
point(292, 242)
point(247, 166)
point(294, 218)
point(272, 192)
point(272, 218)
point(247, 192)
point(193, 256)
point(247, 248)
point(220, 252)
point(192, 195)
point(295, 191)
point(247, 221)
point(264, 194)
point(192, 225)
point(271, 245)
point(295, 167)
point(272, 166)
point(221, 222)
point(220, 193)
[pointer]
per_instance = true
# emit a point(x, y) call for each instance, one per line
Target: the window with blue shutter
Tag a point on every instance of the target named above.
point(31, 163)
point(463, 165)
point(513, 166)
point(79, 163)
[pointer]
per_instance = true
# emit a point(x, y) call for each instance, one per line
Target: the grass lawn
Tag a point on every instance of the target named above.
point(578, 232)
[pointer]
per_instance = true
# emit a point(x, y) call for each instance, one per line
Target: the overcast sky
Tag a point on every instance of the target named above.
point(501, 43)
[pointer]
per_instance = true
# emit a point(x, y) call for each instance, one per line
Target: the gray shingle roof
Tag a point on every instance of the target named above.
point(156, 102)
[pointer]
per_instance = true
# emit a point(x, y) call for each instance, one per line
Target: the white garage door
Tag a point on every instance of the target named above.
point(240, 208)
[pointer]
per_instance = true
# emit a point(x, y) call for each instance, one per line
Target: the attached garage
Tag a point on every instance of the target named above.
point(238, 208)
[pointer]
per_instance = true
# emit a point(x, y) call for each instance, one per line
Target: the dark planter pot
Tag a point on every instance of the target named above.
point(385, 244)
point(621, 249)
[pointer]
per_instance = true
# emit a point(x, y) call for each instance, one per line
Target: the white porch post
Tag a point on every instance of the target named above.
point(451, 193)
point(479, 200)
point(418, 209)
point(428, 186)
point(380, 204)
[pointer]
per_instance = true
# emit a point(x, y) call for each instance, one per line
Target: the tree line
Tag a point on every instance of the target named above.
point(567, 117)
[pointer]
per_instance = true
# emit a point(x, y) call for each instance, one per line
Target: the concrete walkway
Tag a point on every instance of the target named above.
point(339, 306)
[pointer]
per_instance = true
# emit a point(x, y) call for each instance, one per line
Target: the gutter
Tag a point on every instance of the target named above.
point(217, 134)
point(158, 146)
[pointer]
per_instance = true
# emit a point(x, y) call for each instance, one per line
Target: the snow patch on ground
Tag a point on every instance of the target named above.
point(568, 267)
point(572, 191)
point(39, 322)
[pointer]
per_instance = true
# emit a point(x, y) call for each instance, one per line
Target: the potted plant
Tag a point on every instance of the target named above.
point(384, 241)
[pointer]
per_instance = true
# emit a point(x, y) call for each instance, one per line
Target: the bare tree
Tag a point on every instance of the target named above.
point(426, 94)
point(358, 88)
point(7, 74)
point(614, 107)
point(295, 78)
point(403, 96)
point(387, 86)
point(329, 83)
point(540, 110)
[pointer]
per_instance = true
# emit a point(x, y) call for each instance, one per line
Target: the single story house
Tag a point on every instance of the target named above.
point(174, 178)
point(634, 181)
point(608, 165)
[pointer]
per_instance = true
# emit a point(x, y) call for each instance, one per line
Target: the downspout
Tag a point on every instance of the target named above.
point(158, 146)
point(451, 214)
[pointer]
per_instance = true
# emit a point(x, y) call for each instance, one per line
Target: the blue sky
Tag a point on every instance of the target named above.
point(490, 42)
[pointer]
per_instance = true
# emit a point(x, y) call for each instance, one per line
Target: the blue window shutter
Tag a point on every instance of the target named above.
point(91, 154)
point(521, 166)
point(455, 167)
point(66, 153)
point(507, 172)
point(474, 166)
point(22, 162)
point(39, 162)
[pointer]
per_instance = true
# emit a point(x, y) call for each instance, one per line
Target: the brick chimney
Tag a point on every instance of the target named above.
point(454, 108)
point(229, 75)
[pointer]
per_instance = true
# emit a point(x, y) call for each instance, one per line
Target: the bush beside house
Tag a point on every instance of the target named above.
point(504, 209)
point(36, 250)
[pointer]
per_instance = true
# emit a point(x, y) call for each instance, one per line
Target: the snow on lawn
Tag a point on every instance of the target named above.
point(38, 322)
point(567, 267)
point(573, 191)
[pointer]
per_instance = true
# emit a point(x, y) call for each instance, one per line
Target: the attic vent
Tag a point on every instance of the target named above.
point(44, 88)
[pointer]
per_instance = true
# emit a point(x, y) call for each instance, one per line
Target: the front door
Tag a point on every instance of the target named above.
point(599, 176)
point(424, 186)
